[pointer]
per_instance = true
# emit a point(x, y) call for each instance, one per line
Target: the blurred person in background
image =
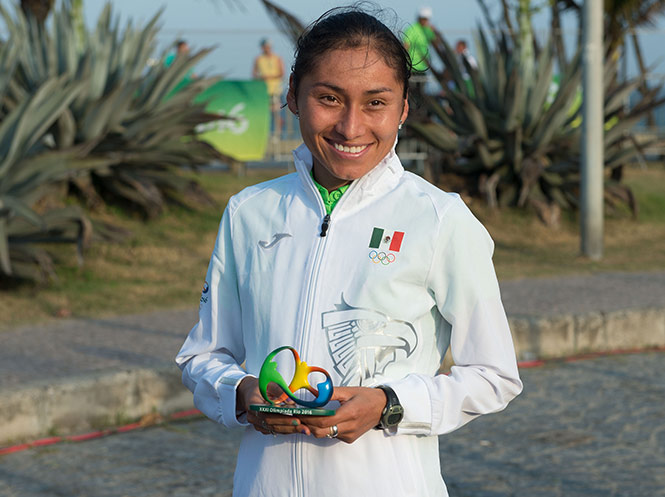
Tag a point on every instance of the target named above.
point(417, 39)
point(181, 50)
point(465, 58)
point(269, 67)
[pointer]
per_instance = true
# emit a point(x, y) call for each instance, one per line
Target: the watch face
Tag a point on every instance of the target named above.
point(393, 419)
point(394, 415)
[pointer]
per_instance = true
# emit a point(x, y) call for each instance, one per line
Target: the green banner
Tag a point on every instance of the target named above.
point(245, 138)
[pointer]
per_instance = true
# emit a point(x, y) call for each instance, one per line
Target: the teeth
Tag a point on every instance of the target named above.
point(352, 150)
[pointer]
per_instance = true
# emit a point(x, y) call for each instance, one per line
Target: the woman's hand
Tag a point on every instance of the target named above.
point(359, 412)
point(248, 393)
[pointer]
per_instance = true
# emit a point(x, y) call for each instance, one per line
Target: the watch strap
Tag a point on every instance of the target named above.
point(391, 400)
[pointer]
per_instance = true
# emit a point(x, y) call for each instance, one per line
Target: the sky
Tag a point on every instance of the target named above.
point(236, 32)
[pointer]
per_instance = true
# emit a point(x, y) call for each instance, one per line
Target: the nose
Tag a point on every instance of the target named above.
point(351, 123)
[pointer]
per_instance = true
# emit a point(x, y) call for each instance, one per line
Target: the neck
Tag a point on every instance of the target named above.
point(327, 180)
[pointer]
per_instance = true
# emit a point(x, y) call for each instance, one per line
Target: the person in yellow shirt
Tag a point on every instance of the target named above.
point(269, 67)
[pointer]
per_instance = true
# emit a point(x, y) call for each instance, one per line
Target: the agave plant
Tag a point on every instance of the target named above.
point(519, 142)
point(127, 113)
point(27, 170)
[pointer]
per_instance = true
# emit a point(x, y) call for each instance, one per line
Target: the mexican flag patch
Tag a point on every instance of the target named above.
point(378, 240)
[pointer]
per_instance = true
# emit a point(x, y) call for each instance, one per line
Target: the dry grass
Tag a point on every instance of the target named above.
point(527, 248)
point(164, 263)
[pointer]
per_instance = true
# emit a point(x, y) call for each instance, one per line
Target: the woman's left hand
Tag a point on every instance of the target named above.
point(359, 412)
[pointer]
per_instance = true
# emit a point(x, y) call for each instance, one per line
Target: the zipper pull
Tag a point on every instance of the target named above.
point(324, 226)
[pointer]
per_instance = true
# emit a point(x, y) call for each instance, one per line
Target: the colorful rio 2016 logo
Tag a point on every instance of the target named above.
point(269, 374)
point(381, 257)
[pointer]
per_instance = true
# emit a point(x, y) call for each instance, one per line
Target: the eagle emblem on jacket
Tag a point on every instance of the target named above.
point(364, 342)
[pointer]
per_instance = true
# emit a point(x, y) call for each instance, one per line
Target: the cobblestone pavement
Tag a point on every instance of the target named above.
point(589, 428)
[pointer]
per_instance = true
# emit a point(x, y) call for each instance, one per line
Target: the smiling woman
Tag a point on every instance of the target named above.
point(350, 108)
point(349, 88)
point(369, 272)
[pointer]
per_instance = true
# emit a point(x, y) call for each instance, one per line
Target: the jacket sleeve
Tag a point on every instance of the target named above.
point(211, 356)
point(485, 376)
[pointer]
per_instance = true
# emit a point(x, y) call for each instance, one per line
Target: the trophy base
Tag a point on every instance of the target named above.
point(291, 411)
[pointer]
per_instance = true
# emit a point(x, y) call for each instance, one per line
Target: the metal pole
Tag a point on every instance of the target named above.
point(591, 195)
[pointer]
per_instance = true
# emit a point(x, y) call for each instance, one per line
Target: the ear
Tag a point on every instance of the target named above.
point(405, 110)
point(291, 97)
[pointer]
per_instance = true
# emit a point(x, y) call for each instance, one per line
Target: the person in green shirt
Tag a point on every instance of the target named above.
point(181, 50)
point(417, 39)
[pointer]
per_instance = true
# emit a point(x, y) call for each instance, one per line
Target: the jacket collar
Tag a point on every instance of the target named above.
point(380, 179)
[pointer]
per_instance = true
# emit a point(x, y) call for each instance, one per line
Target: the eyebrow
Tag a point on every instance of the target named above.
point(373, 91)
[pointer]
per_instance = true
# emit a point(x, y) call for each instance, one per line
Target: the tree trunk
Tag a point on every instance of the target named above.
point(557, 37)
point(506, 18)
point(526, 46)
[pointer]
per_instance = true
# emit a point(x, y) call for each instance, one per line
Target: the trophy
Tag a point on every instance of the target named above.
point(269, 374)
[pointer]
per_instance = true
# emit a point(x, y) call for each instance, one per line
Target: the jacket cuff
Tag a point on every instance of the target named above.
point(414, 397)
point(218, 400)
point(228, 384)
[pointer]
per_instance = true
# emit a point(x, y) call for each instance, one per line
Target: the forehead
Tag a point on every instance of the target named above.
point(352, 66)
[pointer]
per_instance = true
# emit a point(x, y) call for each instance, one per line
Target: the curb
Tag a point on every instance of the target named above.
point(538, 337)
point(90, 403)
point(43, 442)
point(93, 402)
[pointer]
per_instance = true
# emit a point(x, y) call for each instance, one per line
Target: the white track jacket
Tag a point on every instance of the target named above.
point(403, 272)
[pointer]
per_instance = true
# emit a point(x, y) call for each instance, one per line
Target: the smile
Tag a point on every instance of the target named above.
point(349, 150)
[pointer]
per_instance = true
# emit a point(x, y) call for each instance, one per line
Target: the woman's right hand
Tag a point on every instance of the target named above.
point(248, 393)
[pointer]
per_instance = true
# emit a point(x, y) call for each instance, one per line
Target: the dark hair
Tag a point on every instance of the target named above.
point(349, 27)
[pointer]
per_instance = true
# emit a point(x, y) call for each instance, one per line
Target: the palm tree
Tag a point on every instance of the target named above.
point(622, 18)
point(286, 22)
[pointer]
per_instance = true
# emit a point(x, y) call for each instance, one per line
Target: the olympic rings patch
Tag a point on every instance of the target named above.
point(381, 257)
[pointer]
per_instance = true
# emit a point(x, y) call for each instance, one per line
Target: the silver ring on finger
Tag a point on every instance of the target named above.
point(333, 432)
point(268, 428)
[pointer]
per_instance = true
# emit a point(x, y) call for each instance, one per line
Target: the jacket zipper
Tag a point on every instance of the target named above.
point(307, 318)
point(325, 224)
point(320, 244)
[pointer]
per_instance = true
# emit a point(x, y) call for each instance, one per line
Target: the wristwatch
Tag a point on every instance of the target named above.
point(393, 412)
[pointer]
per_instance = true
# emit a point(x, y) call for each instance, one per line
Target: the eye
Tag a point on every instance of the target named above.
point(329, 99)
point(376, 103)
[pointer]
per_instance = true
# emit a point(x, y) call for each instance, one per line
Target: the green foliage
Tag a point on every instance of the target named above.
point(519, 141)
point(94, 111)
point(26, 171)
point(133, 112)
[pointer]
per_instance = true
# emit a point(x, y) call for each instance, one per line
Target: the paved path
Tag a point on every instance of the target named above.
point(591, 428)
point(76, 347)
point(577, 295)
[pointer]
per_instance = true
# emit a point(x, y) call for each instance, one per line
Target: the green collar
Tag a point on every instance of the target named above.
point(330, 199)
